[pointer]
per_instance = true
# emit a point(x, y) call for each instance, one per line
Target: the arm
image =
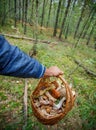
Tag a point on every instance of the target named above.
point(14, 62)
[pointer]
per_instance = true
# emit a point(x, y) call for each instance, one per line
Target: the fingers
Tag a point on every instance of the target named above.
point(53, 71)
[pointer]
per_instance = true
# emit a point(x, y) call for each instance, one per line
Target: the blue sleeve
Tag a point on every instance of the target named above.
point(14, 62)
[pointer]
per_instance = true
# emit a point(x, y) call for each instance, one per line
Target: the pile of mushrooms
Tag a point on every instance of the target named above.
point(51, 102)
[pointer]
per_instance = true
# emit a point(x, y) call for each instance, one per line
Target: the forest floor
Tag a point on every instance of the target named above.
point(62, 54)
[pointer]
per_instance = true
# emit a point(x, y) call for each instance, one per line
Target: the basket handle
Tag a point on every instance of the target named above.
point(61, 78)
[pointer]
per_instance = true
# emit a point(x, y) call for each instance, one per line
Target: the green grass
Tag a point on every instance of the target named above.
point(61, 54)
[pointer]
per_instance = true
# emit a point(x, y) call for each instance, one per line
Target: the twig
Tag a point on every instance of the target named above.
point(25, 105)
point(86, 69)
point(73, 70)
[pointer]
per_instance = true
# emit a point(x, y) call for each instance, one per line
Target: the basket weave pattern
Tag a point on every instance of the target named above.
point(45, 83)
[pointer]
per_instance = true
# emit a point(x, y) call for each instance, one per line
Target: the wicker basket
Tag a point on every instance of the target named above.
point(68, 104)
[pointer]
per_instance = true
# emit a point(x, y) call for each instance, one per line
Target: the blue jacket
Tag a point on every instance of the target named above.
point(14, 62)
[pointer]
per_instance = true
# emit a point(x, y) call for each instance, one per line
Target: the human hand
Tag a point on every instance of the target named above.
point(53, 71)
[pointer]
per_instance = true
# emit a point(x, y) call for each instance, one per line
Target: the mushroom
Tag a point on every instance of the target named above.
point(43, 91)
point(37, 104)
point(70, 85)
point(43, 102)
point(73, 92)
point(59, 105)
point(62, 92)
point(58, 88)
point(43, 112)
point(55, 93)
point(50, 97)
point(48, 109)
point(44, 97)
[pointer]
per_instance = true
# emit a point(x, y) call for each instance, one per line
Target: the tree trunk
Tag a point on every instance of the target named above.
point(23, 7)
point(88, 24)
point(49, 13)
point(70, 16)
point(26, 6)
point(9, 7)
point(15, 11)
point(83, 28)
point(61, 11)
point(34, 49)
point(95, 42)
point(4, 12)
point(67, 30)
point(43, 12)
point(19, 10)
point(31, 16)
point(64, 19)
point(27, 38)
point(80, 19)
point(91, 32)
point(57, 16)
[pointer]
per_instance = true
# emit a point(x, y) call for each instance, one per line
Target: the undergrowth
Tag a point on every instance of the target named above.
point(61, 54)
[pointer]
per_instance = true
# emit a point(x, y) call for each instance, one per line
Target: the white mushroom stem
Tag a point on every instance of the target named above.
point(73, 92)
point(37, 104)
point(70, 85)
point(62, 92)
point(59, 105)
point(58, 88)
point(42, 101)
point(50, 97)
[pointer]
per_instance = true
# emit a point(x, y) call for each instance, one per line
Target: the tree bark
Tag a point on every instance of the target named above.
point(34, 49)
point(95, 43)
point(31, 16)
point(9, 7)
point(64, 19)
point(80, 19)
point(43, 12)
point(61, 12)
point(19, 10)
point(49, 13)
point(88, 24)
point(70, 16)
point(23, 10)
point(91, 32)
point(57, 16)
point(83, 28)
point(15, 11)
point(26, 6)
point(4, 12)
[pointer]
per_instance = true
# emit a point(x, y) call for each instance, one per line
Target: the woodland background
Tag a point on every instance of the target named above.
point(56, 32)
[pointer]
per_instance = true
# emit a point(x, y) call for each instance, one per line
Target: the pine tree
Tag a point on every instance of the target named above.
point(64, 19)
point(57, 17)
